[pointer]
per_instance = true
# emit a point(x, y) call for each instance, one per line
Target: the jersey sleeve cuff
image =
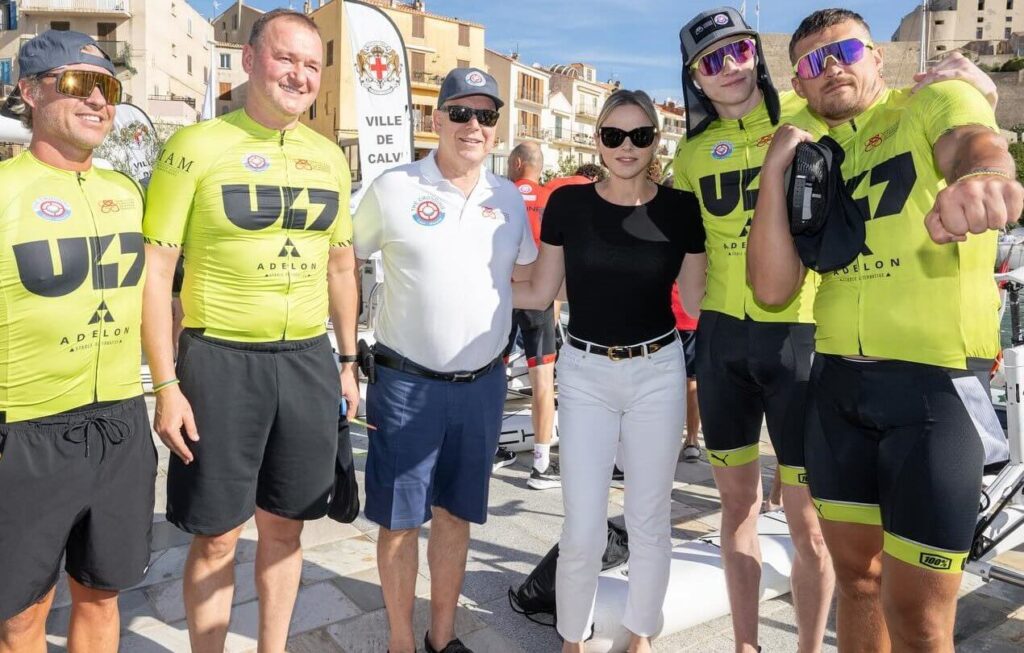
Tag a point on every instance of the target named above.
point(160, 243)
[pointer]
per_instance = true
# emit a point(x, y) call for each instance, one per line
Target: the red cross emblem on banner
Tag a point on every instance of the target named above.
point(379, 68)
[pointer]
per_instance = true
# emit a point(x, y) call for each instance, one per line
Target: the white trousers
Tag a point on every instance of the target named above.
point(640, 402)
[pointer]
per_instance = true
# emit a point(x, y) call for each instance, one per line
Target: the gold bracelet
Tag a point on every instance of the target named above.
point(166, 384)
point(985, 171)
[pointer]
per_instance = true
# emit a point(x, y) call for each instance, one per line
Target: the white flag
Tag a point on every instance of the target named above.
point(210, 99)
point(383, 100)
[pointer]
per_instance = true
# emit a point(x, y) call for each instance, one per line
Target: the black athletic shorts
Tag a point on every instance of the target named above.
point(689, 341)
point(267, 416)
point(747, 372)
point(892, 443)
point(539, 336)
point(78, 484)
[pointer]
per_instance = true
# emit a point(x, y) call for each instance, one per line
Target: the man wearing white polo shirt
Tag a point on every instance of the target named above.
point(450, 234)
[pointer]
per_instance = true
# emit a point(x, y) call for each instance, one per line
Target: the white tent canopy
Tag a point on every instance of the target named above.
point(11, 131)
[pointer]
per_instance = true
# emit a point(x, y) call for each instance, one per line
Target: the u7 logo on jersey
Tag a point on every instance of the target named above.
point(276, 202)
point(722, 193)
point(78, 258)
point(899, 176)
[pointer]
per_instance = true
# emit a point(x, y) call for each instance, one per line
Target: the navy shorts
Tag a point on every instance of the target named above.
point(433, 445)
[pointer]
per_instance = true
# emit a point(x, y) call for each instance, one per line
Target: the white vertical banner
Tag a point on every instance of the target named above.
point(210, 97)
point(383, 97)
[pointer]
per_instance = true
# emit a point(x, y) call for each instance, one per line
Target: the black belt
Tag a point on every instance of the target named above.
point(619, 353)
point(406, 365)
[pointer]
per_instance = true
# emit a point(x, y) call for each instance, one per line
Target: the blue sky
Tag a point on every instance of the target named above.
point(634, 41)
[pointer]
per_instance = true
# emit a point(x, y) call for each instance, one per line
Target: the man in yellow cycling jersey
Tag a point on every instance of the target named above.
point(77, 462)
point(894, 458)
point(753, 360)
point(258, 205)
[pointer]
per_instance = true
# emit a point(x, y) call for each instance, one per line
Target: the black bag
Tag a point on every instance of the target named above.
point(537, 593)
point(344, 506)
point(826, 223)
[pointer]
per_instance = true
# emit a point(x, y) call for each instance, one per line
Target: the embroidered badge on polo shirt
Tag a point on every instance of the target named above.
point(428, 210)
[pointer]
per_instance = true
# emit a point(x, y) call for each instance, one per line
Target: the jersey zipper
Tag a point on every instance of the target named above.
point(103, 298)
point(284, 196)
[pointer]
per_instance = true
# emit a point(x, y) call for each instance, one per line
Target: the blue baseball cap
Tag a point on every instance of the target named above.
point(463, 82)
point(53, 49)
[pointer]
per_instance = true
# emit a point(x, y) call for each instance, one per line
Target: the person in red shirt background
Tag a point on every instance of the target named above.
point(538, 329)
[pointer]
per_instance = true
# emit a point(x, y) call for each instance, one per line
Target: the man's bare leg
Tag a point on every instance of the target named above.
point(95, 621)
point(397, 564)
point(26, 632)
point(278, 571)
point(813, 578)
point(740, 489)
point(542, 381)
point(208, 587)
point(692, 413)
point(856, 551)
point(446, 554)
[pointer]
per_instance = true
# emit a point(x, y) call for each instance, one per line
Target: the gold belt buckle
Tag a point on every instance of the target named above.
point(653, 347)
point(622, 354)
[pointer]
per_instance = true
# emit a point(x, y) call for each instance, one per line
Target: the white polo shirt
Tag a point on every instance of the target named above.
point(448, 259)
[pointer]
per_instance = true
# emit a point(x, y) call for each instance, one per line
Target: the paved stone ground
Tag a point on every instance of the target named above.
point(340, 608)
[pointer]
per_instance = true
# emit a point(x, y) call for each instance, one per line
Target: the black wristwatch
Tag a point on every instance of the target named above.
point(348, 358)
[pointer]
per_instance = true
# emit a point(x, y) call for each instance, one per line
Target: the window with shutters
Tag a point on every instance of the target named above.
point(463, 34)
point(417, 27)
point(225, 90)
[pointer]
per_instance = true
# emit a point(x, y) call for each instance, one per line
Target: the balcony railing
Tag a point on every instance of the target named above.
point(423, 126)
point(118, 51)
point(535, 98)
point(583, 138)
point(422, 77)
point(122, 7)
point(527, 131)
point(587, 112)
point(673, 129)
point(190, 101)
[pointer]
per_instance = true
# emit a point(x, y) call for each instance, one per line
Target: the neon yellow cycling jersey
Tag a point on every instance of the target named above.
point(905, 297)
point(722, 165)
point(71, 277)
point(255, 211)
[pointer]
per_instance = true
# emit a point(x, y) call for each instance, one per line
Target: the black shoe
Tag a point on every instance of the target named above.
point(503, 458)
point(454, 646)
point(549, 478)
point(618, 477)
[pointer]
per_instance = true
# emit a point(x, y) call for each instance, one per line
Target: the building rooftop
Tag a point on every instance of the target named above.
point(418, 8)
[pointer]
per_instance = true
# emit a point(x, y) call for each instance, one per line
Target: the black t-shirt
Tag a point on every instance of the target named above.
point(621, 261)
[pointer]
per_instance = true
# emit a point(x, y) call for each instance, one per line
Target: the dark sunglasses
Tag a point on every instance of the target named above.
point(459, 113)
point(80, 84)
point(713, 62)
point(640, 137)
point(847, 52)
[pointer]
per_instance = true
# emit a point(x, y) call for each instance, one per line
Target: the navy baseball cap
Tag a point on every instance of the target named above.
point(463, 82)
point(53, 49)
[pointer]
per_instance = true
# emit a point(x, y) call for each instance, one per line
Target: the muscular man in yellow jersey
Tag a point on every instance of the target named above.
point(77, 462)
point(894, 459)
point(258, 205)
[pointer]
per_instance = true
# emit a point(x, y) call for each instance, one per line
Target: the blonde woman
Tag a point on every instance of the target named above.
point(619, 245)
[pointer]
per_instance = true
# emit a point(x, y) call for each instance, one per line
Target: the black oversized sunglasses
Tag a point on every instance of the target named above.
point(459, 113)
point(641, 136)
